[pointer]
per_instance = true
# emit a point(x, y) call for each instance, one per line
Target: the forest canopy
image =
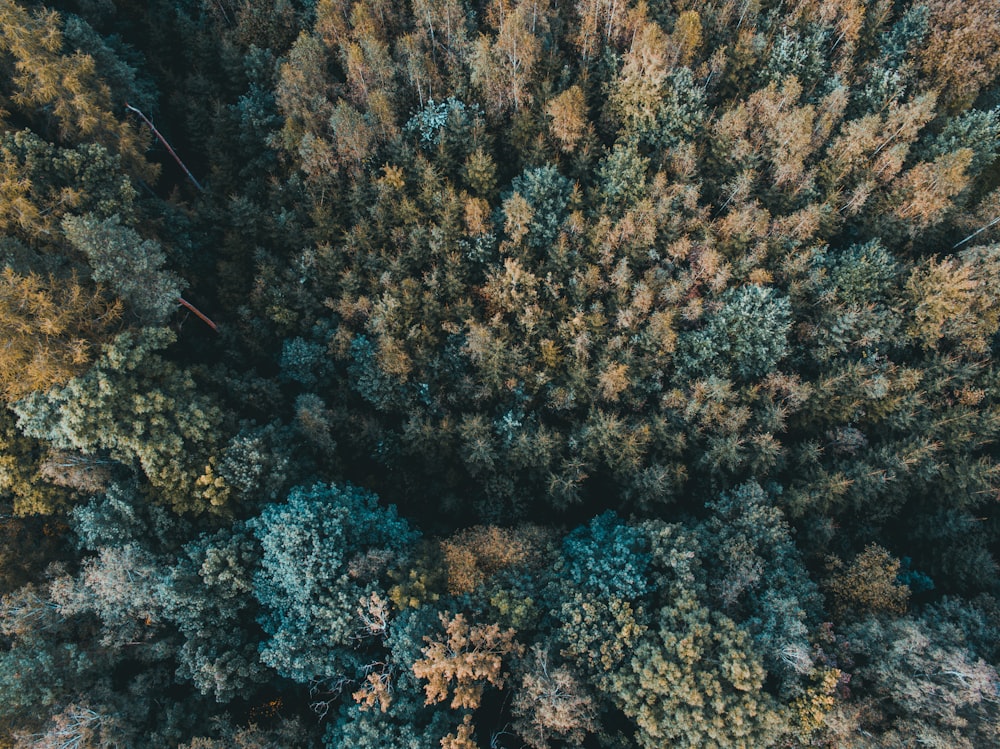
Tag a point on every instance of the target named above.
point(504, 373)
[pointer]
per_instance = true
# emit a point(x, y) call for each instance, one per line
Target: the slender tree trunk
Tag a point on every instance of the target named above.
point(164, 142)
point(201, 316)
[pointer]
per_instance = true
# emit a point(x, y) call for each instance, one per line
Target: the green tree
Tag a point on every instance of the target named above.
point(208, 596)
point(406, 724)
point(286, 732)
point(36, 670)
point(305, 583)
point(118, 586)
point(546, 194)
point(138, 407)
point(747, 337)
point(131, 266)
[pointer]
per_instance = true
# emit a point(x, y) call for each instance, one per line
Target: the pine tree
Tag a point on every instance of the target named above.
point(757, 577)
point(746, 337)
point(130, 265)
point(40, 183)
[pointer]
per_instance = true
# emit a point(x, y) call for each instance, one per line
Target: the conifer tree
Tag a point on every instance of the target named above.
point(131, 266)
point(53, 329)
point(138, 407)
point(62, 90)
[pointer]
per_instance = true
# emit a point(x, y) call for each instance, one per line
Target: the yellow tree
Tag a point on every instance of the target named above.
point(63, 90)
point(305, 95)
point(638, 90)
point(869, 151)
point(568, 113)
point(444, 25)
point(868, 584)
point(502, 65)
point(686, 37)
point(784, 132)
point(50, 329)
point(954, 301)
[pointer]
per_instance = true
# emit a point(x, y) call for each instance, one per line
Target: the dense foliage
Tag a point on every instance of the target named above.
point(509, 373)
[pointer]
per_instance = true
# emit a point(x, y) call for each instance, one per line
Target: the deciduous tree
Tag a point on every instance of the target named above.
point(470, 655)
point(53, 329)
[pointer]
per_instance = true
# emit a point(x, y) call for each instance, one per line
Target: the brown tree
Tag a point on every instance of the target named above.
point(962, 53)
point(568, 113)
point(472, 555)
point(466, 658)
point(502, 65)
point(552, 703)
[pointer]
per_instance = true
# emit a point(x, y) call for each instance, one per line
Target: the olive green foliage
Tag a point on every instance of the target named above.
point(21, 482)
point(62, 89)
point(694, 681)
point(603, 374)
point(138, 407)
